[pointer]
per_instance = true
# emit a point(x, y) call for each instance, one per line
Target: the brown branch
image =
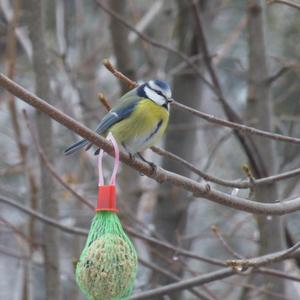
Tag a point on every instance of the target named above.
point(131, 84)
point(49, 165)
point(218, 275)
point(215, 148)
point(174, 277)
point(286, 2)
point(278, 273)
point(255, 262)
point(21, 234)
point(43, 218)
point(229, 183)
point(104, 101)
point(210, 118)
point(160, 175)
point(226, 47)
point(215, 229)
point(237, 126)
point(278, 74)
point(10, 65)
point(11, 253)
point(252, 262)
point(248, 145)
point(265, 259)
point(177, 250)
point(184, 284)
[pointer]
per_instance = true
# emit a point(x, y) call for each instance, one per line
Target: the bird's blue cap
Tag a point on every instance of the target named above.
point(162, 84)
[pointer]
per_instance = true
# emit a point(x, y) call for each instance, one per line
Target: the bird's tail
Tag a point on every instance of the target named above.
point(75, 147)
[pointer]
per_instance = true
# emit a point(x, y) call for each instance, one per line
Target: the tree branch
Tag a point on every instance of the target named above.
point(157, 44)
point(286, 2)
point(184, 284)
point(49, 165)
point(208, 117)
point(160, 175)
point(43, 218)
point(253, 262)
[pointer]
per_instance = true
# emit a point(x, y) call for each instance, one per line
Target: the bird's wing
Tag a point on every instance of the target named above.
point(121, 111)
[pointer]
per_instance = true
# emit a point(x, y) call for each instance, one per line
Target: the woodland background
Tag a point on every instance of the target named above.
point(237, 60)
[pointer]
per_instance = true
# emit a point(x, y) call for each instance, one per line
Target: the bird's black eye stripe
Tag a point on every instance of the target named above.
point(156, 91)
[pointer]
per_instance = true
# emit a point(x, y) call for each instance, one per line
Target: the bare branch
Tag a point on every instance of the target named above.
point(104, 101)
point(240, 127)
point(216, 230)
point(277, 273)
point(265, 259)
point(184, 284)
point(286, 2)
point(43, 218)
point(157, 44)
point(177, 250)
point(160, 175)
point(50, 167)
point(131, 84)
point(253, 262)
point(168, 274)
point(208, 117)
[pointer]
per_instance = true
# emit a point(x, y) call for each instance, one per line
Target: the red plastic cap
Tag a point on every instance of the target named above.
point(107, 198)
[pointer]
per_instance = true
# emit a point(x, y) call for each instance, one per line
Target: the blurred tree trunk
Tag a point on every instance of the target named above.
point(129, 179)
point(10, 68)
point(170, 210)
point(259, 109)
point(120, 42)
point(35, 23)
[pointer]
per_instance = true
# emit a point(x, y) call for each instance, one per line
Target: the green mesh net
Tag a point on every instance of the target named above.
point(108, 263)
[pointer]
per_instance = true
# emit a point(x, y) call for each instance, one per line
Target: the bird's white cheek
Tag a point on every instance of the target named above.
point(160, 100)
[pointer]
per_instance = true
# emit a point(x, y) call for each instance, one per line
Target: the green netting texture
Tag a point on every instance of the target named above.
point(108, 263)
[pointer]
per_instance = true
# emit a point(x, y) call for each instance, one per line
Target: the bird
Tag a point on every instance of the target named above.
point(137, 121)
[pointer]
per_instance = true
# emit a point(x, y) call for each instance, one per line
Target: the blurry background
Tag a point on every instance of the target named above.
point(56, 48)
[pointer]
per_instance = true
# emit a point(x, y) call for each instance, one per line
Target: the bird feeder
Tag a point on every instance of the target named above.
point(107, 266)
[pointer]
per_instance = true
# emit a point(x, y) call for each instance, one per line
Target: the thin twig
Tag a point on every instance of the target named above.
point(247, 143)
point(131, 84)
point(157, 44)
point(174, 277)
point(215, 229)
point(229, 183)
point(184, 284)
point(104, 101)
point(278, 74)
point(265, 259)
point(278, 273)
point(286, 2)
point(21, 234)
point(43, 218)
point(179, 251)
point(240, 127)
point(210, 118)
point(50, 167)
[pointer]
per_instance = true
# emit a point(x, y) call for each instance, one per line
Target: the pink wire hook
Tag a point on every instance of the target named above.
point(110, 138)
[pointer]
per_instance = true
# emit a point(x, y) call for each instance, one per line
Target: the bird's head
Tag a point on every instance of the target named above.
point(158, 91)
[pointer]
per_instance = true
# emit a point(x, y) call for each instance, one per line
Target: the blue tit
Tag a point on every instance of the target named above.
point(138, 120)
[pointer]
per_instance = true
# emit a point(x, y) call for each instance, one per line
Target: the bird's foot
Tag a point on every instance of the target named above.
point(150, 163)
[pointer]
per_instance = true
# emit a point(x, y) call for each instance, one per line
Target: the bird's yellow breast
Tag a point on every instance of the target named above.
point(143, 128)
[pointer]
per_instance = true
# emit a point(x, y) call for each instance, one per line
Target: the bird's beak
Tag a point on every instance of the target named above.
point(170, 100)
